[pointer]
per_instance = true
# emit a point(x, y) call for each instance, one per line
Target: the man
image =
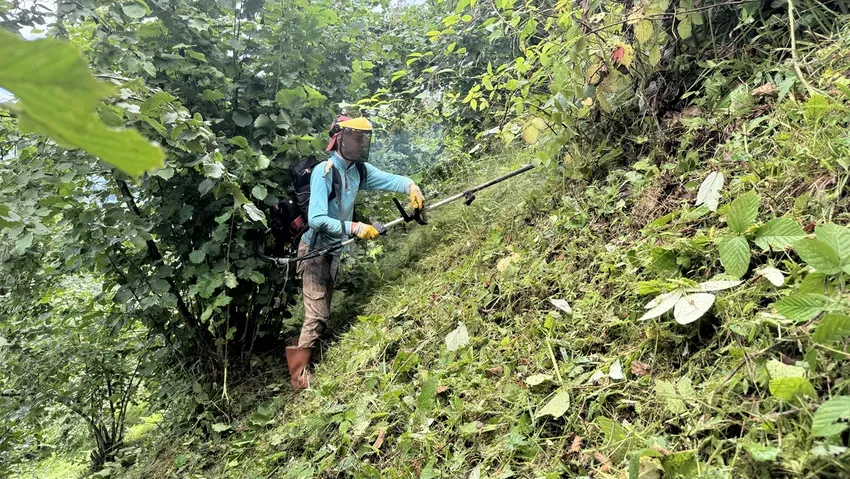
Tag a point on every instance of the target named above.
point(330, 221)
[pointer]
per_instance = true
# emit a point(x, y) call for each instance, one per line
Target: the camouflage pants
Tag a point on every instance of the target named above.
point(318, 275)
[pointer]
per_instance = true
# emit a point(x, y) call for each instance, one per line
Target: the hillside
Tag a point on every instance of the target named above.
point(661, 297)
point(537, 391)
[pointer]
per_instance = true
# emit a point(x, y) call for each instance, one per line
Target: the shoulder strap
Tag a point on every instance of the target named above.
point(336, 185)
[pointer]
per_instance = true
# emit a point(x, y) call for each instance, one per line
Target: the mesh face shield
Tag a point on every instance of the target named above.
point(355, 145)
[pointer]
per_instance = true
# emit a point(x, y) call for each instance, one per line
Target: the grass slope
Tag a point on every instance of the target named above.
point(539, 392)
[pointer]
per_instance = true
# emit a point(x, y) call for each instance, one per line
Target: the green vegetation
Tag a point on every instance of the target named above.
point(663, 296)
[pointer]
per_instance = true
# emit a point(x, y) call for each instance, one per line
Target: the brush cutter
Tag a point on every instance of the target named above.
point(418, 215)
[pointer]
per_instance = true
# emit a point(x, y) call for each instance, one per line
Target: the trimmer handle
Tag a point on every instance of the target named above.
point(417, 216)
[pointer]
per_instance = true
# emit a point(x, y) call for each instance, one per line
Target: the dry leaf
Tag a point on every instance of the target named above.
point(662, 450)
point(692, 111)
point(442, 389)
point(639, 368)
point(380, 440)
point(577, 443)
point(601, 458)
point(494, 372)
point(768, 89)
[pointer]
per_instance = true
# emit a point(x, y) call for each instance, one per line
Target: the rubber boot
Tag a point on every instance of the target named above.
point(297, 360)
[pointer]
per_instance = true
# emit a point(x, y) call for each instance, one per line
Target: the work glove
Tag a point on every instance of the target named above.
point(364, 231)
point(417, 201)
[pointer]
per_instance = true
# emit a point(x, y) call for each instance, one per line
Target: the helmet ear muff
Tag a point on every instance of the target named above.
point(334, 130)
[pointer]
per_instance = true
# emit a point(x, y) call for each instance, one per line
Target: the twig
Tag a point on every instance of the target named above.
point(554, 362)
point(794, 57)
point(832, 350)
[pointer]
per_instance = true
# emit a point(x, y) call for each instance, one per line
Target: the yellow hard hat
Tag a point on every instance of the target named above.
point(361, 124)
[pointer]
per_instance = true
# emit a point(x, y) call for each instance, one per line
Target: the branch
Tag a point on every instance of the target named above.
point(155, 255)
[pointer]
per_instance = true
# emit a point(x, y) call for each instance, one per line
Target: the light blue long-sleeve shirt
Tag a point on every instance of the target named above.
point(324, 216)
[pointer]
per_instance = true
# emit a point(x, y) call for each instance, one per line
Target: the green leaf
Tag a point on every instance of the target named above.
point(134, 10)
point(790, 388)
point(242, 119)
point(230, 280)
point(734, 255)
point(257, 277)
point(684, 28)
point(666, 391)
point(538, 379)
point(197, 256)
point(777, 369)
point(259, 192)
point(24, 242)
point(833, 327)
point(801, 307)
point(427, 398)
point(761, 453)
point(819, 255)
point(205, 186)
point(643, 31)
point(825, 422)
point(742, 212)
point(220, 427)
point(254, 213)
point(212, 95)
point(655, 55)
point(160, 285)
point(557, 406)
point(838, 237)
point(457, 338)
point(57, 97)
point(263, 121)
point(778, 234)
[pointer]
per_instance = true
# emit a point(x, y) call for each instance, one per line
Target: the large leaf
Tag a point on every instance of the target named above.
point(838, 237)
point(254, 213)
point(788, 388)
point(458, 338)
point(643, 31)
point(538, 379)
point(819, 255)
point(734, 255)
point(778, 369)
point(57, 97)
point(134, 10)
point(825, 423)
point(666, 390)
point(761, 453)
point(427, 398)
point(742, 212)
point(833, 327)
point(778, 234)
point(801, 307)
point(692, 307)
point(661, 304)
point(557, 406)
point(709, 190)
